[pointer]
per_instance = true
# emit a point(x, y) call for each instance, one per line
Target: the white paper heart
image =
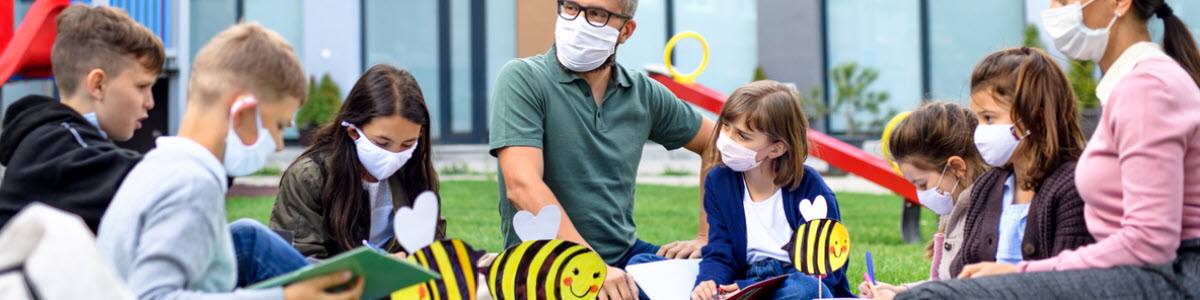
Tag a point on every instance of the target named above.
point(815, 209)
point(544, 226)
point(415, 226)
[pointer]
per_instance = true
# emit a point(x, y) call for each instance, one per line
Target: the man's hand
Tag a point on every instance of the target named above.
point(618, 285)
point(986, 269)
point(683, 249)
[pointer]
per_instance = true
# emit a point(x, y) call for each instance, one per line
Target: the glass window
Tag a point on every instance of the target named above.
point(501, 43)
point(404, 34)
point(959, 38)
point(732, 44)
point(879, 34)
point(646, 44)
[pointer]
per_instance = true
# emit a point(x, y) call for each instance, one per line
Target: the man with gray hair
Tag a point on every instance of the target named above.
point(568, 128)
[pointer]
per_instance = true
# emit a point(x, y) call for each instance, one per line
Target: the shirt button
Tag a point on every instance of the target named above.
point(587, 94)
point(947, 246)
point(1028, 249)
point(990, 241)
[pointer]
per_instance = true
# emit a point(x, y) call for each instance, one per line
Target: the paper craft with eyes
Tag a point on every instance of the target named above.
point(543, 267)
point(820, 246)
point(452, 258)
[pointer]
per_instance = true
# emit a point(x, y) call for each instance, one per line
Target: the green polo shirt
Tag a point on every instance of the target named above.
point(590, 153)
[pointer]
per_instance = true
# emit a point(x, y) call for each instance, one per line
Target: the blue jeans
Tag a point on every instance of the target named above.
point(261, 254)
point(639, 247)
point(796, 286)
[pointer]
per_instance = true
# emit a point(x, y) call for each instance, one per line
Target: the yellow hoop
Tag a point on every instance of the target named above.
point(689, 77)
point(887, 136)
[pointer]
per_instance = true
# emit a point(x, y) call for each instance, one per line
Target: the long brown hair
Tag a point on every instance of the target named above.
point(1177, 39)
point(774, 109)
point(383, 90)
point(1042, 104)
point(932, 134)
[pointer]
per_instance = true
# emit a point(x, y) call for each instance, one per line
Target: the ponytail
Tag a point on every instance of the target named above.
point(1177, 39)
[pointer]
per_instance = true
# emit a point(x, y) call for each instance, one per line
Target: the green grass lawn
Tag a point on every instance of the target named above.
point(668, 213)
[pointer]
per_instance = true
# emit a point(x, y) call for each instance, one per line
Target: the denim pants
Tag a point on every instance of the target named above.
point(261, 254)
point(796, 286)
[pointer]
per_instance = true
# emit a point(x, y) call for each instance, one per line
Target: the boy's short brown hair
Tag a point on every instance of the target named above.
point(100, 37)
point(247, 58)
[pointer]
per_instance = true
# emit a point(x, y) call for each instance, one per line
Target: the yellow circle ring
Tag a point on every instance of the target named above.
point(887, 136)
point(689, 77)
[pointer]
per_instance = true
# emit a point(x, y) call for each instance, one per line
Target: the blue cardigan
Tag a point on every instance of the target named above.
point(725, 255)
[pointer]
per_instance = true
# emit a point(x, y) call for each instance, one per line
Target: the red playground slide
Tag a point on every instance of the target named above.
point(27, 51)
point(835, 152)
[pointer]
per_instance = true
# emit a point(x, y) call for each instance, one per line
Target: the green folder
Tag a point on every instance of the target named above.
point(384, 273)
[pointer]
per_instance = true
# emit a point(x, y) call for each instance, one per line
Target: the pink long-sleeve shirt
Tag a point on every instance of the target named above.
point(1140, 174)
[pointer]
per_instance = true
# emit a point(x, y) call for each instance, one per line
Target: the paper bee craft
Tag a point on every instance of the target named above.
point(819, 246)
point(453, 259)
point(542, 267)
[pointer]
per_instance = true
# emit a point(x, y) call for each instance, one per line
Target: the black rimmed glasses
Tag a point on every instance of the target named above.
point(595, 16)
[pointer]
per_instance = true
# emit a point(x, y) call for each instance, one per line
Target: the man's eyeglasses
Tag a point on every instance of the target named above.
point(595, 16)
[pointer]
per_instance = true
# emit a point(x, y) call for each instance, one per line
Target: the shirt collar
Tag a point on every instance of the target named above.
point(91, 118)
point(184, 148)
point(1124, 64)
point(619, 74)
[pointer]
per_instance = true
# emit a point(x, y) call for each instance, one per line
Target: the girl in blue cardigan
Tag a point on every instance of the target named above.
point(753, 194)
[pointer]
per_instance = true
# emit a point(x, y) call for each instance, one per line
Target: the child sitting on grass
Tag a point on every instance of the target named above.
point(753, 193)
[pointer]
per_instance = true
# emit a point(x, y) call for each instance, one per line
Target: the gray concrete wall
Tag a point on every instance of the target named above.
point(791, 45)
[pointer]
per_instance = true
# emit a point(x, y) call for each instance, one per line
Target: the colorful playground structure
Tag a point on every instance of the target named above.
point(839, 154)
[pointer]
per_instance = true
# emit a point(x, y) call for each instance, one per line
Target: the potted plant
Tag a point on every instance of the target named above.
point(323, 103)
point(853, 94)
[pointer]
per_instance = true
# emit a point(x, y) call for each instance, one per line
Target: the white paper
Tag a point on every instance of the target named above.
point(671, 279)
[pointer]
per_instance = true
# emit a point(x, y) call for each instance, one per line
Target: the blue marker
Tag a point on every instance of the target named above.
point(871, 268)
point(369, 244)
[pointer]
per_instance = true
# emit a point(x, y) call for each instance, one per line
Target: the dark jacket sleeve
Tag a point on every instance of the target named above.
point(52, 165)
point(298, 208)
point(717, 263)
point(1064, 219)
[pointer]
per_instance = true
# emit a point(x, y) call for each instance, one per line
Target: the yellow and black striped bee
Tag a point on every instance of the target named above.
point(546, 269)
point(820, 247)
point(452, 259)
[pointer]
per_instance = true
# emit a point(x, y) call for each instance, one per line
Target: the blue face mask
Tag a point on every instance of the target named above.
point(91, 118)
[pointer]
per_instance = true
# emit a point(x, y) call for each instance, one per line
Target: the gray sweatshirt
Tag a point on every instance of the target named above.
point(166, 230)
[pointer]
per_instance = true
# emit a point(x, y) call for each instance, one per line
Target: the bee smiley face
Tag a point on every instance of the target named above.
point(839, 246)
point(582, 277)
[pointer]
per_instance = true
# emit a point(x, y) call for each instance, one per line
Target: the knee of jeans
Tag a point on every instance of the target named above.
point(247, 227)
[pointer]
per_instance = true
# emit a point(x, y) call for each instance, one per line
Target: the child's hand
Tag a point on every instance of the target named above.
point(315, 288)
point(708, 290)
point(865, 292)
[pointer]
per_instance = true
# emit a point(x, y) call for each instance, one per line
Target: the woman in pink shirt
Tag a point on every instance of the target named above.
point(1139, 175)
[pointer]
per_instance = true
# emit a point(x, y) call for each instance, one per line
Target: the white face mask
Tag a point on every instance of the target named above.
point(1071, 36)
point(937, 200)
point(996, 143)
point(582, 47)
point(735, 156)
point(240, 159)
point(380, 162)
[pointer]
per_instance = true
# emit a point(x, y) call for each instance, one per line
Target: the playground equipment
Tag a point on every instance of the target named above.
point(27, 50)
point(837, 153)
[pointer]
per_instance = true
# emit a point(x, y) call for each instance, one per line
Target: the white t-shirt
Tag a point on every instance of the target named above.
point(381, 211)
point(767, 228)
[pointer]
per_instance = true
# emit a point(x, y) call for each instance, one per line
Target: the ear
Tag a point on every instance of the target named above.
point(778, 149)
point(1122, 7)
point(626, 31)
point(241, 114)
point(94, 84)
point(352, 131)
point(958, 166)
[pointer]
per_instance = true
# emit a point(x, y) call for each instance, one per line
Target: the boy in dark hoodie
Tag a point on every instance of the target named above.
point(61, 153)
